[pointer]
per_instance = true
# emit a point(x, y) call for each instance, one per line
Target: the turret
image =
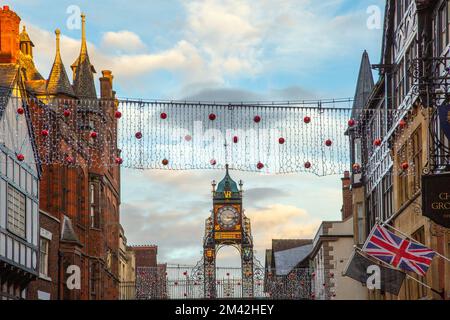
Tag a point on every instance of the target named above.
point(83, 70)
point(58, 81)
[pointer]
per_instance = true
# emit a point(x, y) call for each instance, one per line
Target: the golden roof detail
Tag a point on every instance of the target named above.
point(58, 81)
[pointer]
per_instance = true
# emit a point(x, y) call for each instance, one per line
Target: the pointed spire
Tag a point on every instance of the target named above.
point(58, 81)
point(83, 70)
point(364, 85)
point(83, 35)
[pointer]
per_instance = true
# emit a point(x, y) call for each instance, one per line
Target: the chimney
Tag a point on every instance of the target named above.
point(106, 85)
point(347, 206)
point(9, 36)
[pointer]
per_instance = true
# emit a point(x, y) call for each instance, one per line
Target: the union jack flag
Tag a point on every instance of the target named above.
point(399, 252)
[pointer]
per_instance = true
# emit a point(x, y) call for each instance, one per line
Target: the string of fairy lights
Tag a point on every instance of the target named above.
point(271, 137)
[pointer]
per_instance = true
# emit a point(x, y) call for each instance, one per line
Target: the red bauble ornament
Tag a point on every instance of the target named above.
point(93, 134)
point(307, 164)
point(405, 165)
point(377, 142)
point(331, 275)
point(66, 113)
point(212, 117)
point(235, 139)
point(351, 122)
point(213, 162)
point(307, 119)
point(313, 274)
point(328, 142)
point(260, 165)
point(281, 141)
point(138, 135)
point(119, 160)
point(165, 162)
point(257, 119)
point(118, 114)
point(188, 138)
point(20, 157)
point(163, 115)
point(20, 110)
point(44, 132)
point(69, 159)
point(185, 273)
point(402, 124)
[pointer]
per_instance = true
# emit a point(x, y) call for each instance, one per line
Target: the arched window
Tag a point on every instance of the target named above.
point(94, 204)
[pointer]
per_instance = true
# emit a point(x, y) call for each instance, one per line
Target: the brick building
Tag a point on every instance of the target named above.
point(400, 114)
point(19, 169)
point(79, 195)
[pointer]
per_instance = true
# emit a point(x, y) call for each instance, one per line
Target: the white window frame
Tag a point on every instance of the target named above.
point(43, 256)
point(16, 211)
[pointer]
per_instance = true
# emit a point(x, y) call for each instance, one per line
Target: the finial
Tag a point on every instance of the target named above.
point(24, 29)
point(57, 33)
point(83, 33)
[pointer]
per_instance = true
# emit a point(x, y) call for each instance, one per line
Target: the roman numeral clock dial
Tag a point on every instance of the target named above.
point(227, 217)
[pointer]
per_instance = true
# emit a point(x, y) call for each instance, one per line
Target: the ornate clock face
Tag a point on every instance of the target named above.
point(227, 217)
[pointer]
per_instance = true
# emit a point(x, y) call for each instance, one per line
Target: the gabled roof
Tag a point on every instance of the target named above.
point(288, 254)
point(27, 65)
point(67, 232)
point(285, 244)
point(8, 75)
point(11, 77)
point(58, 81)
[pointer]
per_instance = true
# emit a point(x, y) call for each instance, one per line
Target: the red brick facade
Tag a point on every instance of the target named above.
point(79, 199)
point(146, 256)
point(347, 205)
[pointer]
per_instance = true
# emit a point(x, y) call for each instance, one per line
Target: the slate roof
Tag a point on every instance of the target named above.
point(58, 81)
point(227, 184)
point(8, 74)
point(286, 260)
point(68, 233)
point(83, 82)
point(285, 244)
point(364, 86)
point(27, 64)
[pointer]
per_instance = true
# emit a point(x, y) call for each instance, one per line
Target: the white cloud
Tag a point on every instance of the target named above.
point(122, 41)
point(221, 41)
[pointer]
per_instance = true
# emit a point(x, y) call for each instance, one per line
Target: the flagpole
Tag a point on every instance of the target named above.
point(413, 240)
point(390, 267)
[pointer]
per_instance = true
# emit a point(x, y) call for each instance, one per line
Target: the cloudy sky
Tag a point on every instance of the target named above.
point(231, 50)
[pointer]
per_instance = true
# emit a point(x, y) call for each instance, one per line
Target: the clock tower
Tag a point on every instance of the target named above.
point(228, 226)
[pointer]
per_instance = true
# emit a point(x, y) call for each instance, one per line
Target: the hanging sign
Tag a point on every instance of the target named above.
point(436, 198)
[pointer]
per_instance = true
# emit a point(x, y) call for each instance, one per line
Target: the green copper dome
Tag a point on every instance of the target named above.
point(227, 184)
